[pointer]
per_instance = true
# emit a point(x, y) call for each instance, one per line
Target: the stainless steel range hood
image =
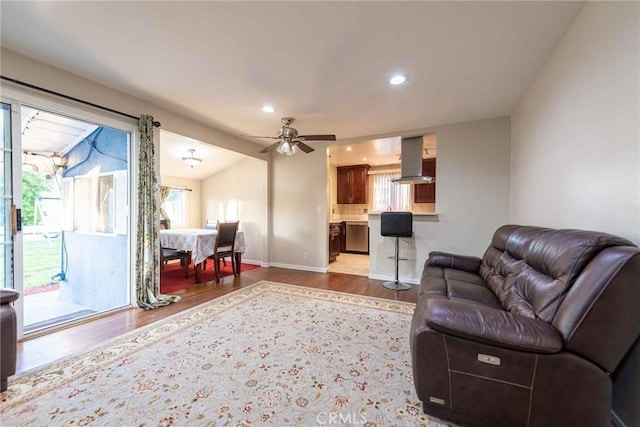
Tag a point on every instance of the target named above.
point(411, 164)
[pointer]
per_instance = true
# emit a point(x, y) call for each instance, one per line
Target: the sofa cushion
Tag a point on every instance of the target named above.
point(451, 283)
point(499, 271)
point(530, 269)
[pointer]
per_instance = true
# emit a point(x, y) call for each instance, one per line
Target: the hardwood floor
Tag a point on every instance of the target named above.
point(37, 351)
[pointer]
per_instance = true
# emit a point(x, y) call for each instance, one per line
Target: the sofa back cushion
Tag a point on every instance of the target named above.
point(530, 269)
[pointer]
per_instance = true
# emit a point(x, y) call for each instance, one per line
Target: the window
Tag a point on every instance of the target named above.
point(175, 207)
point(388, 195)
point(95, 203)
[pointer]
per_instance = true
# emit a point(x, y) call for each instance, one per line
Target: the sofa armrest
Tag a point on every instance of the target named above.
point(7, 296)
point(459, 262)
point(491, 326)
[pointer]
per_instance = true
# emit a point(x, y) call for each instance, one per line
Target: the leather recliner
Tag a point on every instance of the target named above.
point(529, 335)
point(8, 337)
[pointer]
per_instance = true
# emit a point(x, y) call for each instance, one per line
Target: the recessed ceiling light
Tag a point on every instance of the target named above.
point(398, 79)
point(364, 159)
point(348, 148)
point(268, 108)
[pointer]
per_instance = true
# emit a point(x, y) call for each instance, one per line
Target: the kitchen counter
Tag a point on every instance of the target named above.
point(415, 214)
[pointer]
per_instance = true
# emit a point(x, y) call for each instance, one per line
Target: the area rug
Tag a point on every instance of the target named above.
point(172, 277)
point(269, 354)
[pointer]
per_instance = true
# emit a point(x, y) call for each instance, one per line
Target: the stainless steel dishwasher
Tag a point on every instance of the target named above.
point(357, 237)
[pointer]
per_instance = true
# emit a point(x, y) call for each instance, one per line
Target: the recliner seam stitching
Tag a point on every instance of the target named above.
point(533, 380)
point(446, 351)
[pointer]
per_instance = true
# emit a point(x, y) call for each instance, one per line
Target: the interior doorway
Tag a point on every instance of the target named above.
point(356, 264)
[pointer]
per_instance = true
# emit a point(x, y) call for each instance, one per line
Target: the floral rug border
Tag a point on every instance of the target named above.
point(41, 380)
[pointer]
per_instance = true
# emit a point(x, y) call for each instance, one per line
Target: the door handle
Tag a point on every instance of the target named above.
point(16, 220)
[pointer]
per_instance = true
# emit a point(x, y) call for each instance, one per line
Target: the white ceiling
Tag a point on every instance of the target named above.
point(174, 147)
point(324, 63)
point(377, 152)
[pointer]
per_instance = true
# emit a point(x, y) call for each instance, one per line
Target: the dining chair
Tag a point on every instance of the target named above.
point(224, 246)
point(168, 254)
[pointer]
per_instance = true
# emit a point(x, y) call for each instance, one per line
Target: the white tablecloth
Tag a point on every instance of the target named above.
point(198, 241)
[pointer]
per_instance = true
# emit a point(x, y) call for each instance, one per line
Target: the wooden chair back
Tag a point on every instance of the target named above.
point(225, 237)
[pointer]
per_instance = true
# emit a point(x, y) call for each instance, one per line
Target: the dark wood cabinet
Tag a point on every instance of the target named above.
point(335, 237)
point(353, 185)
point(426, 193)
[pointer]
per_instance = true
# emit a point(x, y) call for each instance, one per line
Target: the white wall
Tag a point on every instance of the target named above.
point(193, 199)
point(20, 67)
point(244, 184)
point(299, 188)
point(575, 155)
point(472, 199)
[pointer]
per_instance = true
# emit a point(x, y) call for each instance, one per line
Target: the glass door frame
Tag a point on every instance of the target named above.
point(16, 99)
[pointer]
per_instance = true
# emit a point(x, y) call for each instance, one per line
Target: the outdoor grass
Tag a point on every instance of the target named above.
point(41, 260)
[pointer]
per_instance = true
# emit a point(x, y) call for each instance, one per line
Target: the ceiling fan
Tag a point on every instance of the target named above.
point(289, 140)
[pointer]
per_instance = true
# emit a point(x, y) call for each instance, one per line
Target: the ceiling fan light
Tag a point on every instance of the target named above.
point(286, 148)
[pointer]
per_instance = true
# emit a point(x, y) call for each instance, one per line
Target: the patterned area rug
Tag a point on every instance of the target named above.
point(269, 354)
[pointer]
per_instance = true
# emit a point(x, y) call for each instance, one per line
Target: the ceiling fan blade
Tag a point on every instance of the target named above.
point(317, 137)
point(251, 136)
point(304, 147)
point(270, 148)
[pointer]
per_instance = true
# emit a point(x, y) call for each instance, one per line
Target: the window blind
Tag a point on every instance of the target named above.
point(389, 196)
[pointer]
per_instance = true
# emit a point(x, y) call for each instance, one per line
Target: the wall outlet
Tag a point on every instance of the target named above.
point(320, 209)
point(305, 255)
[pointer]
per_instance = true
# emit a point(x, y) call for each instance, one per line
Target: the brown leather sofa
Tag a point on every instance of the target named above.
point(7, 335)
point(529, 335)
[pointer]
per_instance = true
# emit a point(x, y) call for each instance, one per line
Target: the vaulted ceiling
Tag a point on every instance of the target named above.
point(325, 63)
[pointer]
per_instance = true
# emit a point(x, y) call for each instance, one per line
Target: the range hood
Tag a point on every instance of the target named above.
point(411, 166)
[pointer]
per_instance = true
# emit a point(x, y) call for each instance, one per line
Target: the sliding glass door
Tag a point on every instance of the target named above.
point(73, 185)
point(6, 253)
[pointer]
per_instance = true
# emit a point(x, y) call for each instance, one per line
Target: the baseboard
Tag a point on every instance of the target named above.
point(254, 262)
point(410, 280)
point(299, 267)
point(616, 421)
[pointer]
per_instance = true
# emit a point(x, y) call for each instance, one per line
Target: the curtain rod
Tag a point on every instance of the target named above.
point(178, 188)
point(51, 92)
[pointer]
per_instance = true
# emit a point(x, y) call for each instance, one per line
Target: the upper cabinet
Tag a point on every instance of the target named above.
point(353, 184)
point(426, 193)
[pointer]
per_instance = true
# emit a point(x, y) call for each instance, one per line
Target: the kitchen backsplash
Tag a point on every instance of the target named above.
point(351, 209)
point(359, 212)
point(423, 208)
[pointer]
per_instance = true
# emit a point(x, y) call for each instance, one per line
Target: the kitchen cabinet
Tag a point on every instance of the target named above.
point(335, 237)
point(426, 193)
point(353, 185)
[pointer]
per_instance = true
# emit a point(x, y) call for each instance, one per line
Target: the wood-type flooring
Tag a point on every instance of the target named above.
point(45, 348)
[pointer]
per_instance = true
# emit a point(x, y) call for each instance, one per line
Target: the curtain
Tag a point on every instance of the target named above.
point(388, 195)
point(164, 193)
point(147, 244)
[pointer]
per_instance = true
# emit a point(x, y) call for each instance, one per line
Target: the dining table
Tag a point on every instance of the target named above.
point(199, 242)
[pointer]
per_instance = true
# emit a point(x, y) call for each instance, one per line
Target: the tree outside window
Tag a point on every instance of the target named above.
point(32, 185)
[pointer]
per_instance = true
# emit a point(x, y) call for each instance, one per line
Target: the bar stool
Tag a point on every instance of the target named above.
point(396, 224)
